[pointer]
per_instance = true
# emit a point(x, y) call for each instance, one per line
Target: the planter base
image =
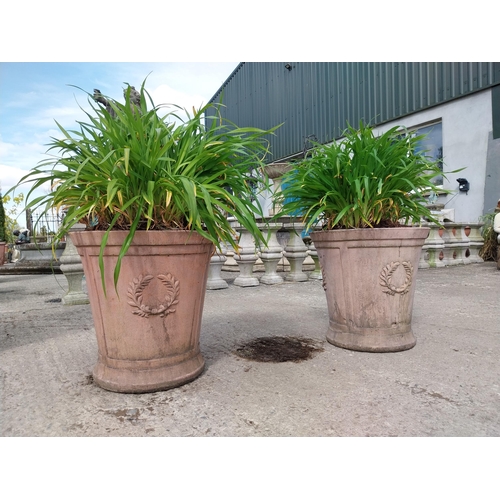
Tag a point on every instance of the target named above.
point(158, 378)
point(371, 341)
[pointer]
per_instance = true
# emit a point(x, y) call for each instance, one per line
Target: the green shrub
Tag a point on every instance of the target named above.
point(490, 246)
point(363, 180)
point(129, 169)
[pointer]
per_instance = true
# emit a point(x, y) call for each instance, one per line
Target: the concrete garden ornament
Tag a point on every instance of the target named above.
point(155, 193)
point(365, 191)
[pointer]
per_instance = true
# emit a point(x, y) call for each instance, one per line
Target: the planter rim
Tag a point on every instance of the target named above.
point(369, 233)
point(395, 228)
point(371, 229)
point(116, 237)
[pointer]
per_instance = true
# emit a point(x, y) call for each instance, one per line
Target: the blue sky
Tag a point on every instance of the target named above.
point(33, 95)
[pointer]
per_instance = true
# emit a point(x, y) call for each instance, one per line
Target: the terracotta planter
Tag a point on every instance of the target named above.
point(369, 280)
point(147, 330)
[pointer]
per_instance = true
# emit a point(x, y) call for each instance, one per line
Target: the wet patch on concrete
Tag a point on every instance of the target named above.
point(129, 414)
point(279, 349)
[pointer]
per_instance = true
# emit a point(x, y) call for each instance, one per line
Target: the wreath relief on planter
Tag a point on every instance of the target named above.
point(139, 284)
point(387, 274)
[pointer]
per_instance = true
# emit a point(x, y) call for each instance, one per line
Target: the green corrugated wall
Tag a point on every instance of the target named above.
point(318, 99)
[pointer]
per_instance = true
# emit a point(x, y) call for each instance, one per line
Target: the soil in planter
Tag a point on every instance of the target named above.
point(279, 349)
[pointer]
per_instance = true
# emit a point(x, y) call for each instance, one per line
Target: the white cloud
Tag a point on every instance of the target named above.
point(20, 157)
point(10, 176)
point(65, 115)
point(164, 94)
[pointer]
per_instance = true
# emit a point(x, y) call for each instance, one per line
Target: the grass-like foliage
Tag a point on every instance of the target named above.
point(489, 250)
point(128, 168)
point(362, 181)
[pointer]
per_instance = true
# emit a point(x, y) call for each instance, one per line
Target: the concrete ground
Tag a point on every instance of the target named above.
point(447, 385)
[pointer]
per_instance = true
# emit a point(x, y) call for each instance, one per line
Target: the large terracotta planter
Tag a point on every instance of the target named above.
point(148, 329)
point(369, 280)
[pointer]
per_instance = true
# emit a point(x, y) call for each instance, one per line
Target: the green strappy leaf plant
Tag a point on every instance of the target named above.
point(128, 168)
point(489, 250)
point(362, 181)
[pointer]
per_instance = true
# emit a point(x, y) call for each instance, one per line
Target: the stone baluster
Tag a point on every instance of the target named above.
point(295, 252)
point(475, 242)
point(283, 236)
point(215, 280)
point(463, 244)
point(316, 274)
point(448, 249)
point(434, 246)
point(451, 243)
point(423, 263)
point(72, 268)
point(271, 255)
point(246, 259)
point(230, 263)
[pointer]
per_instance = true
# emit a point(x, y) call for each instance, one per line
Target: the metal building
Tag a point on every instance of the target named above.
point(316, 101)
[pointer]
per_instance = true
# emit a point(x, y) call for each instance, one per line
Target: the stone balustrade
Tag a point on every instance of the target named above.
point(455, 243)
point(289, 251)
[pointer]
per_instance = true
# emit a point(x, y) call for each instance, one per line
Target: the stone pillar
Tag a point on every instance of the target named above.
point(246, 259)
point(475, 241)
point(271, 255)
point(215, 281)
point(72, 268)
point(295, 252)
point(434, 246)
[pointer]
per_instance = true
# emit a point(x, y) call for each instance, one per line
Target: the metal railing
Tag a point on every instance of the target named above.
point(43, 224)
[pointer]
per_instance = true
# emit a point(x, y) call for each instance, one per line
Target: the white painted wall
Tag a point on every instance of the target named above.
point(467, 123)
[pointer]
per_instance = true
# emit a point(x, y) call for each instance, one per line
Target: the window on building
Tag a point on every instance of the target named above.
point(432, 145)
